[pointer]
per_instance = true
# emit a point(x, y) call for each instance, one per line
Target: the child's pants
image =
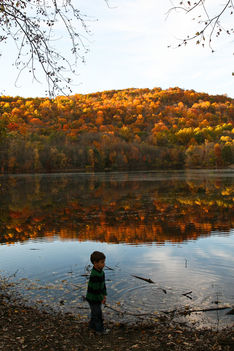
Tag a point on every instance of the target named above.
point(96, 321)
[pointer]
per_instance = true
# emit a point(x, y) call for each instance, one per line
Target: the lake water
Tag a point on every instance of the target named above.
point(175, 228)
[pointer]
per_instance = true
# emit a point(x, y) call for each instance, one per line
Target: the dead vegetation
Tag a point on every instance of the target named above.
point(27, 328)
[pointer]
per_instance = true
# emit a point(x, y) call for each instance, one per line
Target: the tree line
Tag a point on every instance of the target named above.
point(131, 129)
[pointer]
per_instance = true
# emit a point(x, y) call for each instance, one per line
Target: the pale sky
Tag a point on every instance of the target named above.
point(128, 48)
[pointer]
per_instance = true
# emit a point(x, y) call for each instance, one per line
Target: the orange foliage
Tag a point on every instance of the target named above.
point(172, 119)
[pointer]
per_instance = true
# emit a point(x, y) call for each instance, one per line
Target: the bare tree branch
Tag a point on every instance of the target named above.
point(210, 26)
point(34, 26)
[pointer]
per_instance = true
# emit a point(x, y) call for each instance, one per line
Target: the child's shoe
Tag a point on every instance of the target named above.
point(103, 332)
point(106, 331)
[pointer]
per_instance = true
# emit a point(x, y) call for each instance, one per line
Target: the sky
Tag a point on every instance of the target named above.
point(128, 48)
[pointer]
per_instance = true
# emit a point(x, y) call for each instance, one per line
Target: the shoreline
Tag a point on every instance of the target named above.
point(93, 171)
point(28, 328)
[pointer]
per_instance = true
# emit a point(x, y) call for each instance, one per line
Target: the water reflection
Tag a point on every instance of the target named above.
point(55, 272)
point(180, 227)
point(116, 208)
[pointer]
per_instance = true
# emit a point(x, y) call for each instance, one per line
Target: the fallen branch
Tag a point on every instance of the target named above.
point(14, 274)
point(110, 269)
point(184, 312)
point(210, 309)
point(187, 295)
point(113, 309)
point(231, 312)
point(145, 279)
point(148, 281)
point(130, 313)
point(77, 287)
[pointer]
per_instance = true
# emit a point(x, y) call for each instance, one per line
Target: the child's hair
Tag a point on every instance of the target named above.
point(97, 256)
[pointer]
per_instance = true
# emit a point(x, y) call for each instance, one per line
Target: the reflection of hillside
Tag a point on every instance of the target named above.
point(112, 211)
point(174, 224)
point(118, 234)
point(136, 235)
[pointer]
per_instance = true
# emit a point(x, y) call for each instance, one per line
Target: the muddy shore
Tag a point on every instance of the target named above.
point(28, 328)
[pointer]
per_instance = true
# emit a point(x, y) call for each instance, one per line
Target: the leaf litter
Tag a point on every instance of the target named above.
point(24, 327)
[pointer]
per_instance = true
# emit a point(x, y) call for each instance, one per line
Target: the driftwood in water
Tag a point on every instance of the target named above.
point(231, 312)
point(211, 309)
point(145, 279)
point(184, 312)
point(113, 309)
point(187, 295)
point(110, 269)
point(166, 312)
point(148, 281)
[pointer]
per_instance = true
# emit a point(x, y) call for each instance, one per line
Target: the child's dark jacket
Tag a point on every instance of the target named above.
point(96, 286)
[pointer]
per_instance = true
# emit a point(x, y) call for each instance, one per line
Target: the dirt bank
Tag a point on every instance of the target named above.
point(27, 328)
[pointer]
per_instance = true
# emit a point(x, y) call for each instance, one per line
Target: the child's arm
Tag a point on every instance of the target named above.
point(104, 292)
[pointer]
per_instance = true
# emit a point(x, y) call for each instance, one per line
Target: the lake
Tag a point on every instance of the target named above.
point(175, 228)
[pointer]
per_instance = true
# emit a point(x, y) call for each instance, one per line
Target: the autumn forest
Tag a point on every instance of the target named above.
point(132, 129)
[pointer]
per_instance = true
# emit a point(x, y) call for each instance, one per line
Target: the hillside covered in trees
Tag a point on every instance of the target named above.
point(132, 129)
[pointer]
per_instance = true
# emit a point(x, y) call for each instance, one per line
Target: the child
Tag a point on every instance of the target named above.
point(96, 292)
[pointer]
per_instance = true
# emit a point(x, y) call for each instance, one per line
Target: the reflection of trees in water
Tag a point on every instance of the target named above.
point(107, 209)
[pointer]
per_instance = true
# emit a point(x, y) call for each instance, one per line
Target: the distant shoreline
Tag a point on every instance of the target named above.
point(88, 170)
